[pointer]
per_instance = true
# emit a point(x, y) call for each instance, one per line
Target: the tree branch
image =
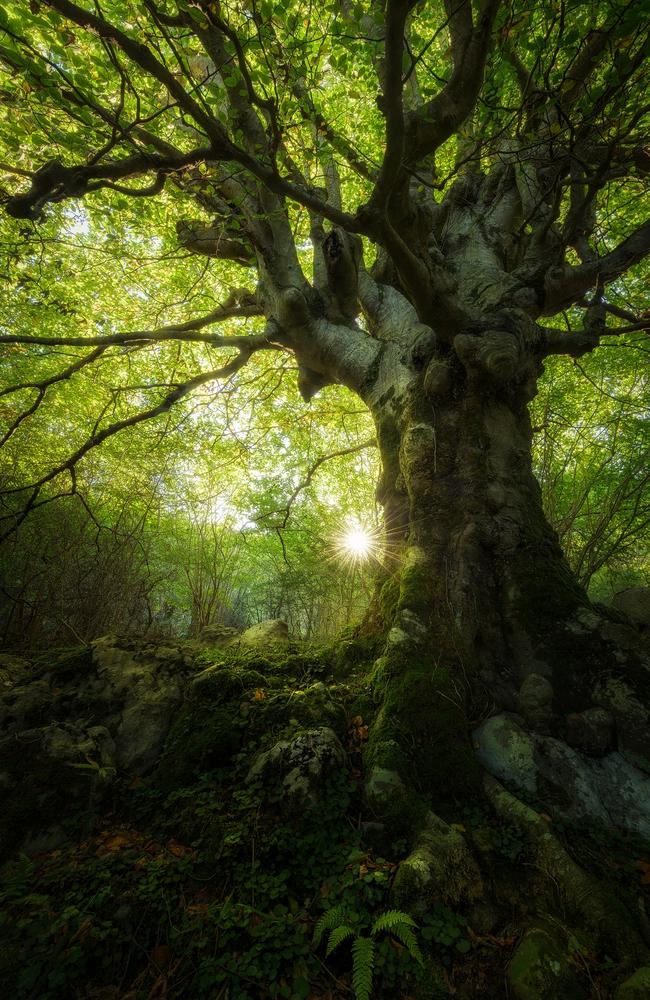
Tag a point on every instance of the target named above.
point(181, 331)
point(431, 125)
point(98, 438)
point(566, 285)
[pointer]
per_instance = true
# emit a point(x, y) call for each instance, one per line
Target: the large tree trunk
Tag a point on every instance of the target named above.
point(482, 616)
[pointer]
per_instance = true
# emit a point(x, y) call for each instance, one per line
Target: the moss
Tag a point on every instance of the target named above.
point(389, 596)
point(203, 736)
point(421, 731)
point(540, 970)
point(219, 683)
point(637, 987)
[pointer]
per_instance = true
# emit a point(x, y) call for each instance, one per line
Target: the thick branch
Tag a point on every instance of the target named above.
point(55, 182)
point(566, 285)
point(431, 125)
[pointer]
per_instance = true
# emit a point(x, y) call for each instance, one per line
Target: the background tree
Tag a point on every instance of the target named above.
point(401, 198)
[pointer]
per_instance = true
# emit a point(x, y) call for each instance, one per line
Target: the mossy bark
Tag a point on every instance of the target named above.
point(477, 583)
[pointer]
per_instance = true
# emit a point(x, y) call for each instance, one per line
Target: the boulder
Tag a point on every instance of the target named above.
point(147, 687)
point(299, 766)
point(609, 791)
point(535, 700)
point(635, 603)
point(273, 632)
point(631, 717)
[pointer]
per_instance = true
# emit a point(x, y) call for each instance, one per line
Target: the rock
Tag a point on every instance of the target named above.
point(507, 752)
point(150, 687)
point(273, 632)
point(609, 791)
point(300, 765)
point(539, 970)
point(637, 987)
point(591, 730)
point(535, 700)
point(635, 603)
point(218, 635)
point(315, 705)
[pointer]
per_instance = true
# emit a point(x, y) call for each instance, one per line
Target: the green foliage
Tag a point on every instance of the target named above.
point(343, 925)
point(446, 929)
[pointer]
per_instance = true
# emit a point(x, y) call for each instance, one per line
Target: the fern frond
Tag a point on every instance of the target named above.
point(331, 918)
point(363, 964)
point(405, 934)
point(338, 936)
point(390, 919)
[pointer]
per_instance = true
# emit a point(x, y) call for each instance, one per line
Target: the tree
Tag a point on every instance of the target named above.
point(463, 174)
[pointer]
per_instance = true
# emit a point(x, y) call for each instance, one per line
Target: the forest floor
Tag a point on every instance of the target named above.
point(244, 865)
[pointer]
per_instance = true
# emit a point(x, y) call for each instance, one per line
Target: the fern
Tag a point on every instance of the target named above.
point(338, 936)
point(331, 918)
point(363, 964)
point(394, 922)
point(405, 934)
point(389, 920)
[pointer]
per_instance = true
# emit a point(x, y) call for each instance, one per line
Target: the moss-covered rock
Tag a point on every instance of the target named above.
point(300, 766)
point(204, 735)
point(219, 683)
point(540, 970)
point(637, 987)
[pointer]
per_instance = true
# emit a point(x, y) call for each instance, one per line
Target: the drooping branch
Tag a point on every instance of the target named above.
point(41, 388)
point(311, 472)
point(143, 57)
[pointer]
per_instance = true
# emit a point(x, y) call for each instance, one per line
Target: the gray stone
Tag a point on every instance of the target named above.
point(535, 700)
point(609, 791)
point(273, 632)
point(507, 752)
point(301, 764)
point(635, 603)
point(631, 717)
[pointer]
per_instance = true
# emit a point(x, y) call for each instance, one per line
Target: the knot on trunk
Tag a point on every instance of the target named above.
point(496, 354)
